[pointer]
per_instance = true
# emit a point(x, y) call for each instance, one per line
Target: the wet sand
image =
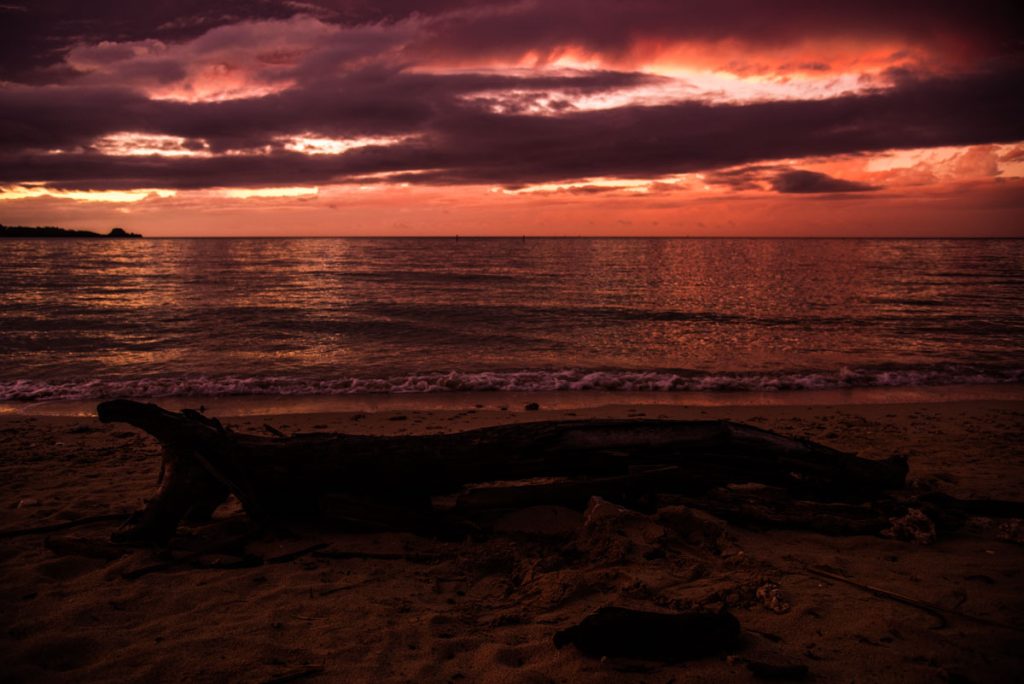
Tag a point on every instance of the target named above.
point(485, 610)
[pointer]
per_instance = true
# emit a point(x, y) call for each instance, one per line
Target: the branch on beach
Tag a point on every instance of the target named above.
point(307, 475)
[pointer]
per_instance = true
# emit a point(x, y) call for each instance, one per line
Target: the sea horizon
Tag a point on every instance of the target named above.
point(550, 236)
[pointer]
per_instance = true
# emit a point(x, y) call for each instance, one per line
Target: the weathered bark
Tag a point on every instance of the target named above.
point(986, 508)
point(574, 493)
point(275, 477)
point(775, 508)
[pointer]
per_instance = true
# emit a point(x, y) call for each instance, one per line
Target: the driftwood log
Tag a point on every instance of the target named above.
point(308, 474)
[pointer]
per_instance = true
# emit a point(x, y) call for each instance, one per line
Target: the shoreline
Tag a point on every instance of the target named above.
point(252, 405)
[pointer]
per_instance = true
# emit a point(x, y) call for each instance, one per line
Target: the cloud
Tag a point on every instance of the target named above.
point(785, 179)
point(448, 139)
point(944, 31)
point(801, 181)
point(35, 38)
point(370, 102)
point(405, 92)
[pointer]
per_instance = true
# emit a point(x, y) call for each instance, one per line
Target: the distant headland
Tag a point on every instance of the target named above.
point(54, 232)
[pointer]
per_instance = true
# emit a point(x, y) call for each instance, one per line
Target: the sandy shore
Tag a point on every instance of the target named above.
point(486, 610)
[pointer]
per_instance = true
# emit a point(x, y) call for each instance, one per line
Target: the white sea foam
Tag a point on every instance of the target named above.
point(509, 381)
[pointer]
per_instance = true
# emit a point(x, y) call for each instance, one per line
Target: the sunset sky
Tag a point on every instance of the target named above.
point(599, 117)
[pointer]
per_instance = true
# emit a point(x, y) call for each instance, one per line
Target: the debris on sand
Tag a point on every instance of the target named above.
point(669, 637)
point(770, 596)
point(915, 527)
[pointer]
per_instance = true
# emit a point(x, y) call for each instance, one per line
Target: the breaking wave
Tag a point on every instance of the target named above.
point(511, 381)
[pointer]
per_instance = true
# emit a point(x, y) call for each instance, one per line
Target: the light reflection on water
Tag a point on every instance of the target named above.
point(332, 308)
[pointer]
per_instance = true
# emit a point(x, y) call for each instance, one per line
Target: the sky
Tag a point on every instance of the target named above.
point(495, 117)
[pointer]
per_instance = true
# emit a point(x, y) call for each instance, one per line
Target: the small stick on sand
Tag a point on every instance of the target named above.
point(274, 431)
point(930, 608)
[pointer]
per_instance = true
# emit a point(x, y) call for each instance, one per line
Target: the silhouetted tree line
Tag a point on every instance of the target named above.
point(54, 231)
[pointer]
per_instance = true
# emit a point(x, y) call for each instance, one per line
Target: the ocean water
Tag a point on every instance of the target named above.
point(90, 319)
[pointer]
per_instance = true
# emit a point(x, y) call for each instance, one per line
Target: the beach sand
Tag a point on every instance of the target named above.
point(485, 610)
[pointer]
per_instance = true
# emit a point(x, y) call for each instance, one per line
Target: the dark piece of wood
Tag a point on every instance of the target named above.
point(668, 637)
point(274, 431)
point(573, 493)
point(771, 507)
point(986, 508)
point(187, 490)
point(293, 476)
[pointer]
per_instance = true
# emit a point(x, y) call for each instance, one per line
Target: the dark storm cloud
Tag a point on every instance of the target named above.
point(36, 35)
point(800, 181)
point(460, 142)
point(783, 179)
point(753, 177)
point(374, 101)
point(613, 26)
point(509, 128)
